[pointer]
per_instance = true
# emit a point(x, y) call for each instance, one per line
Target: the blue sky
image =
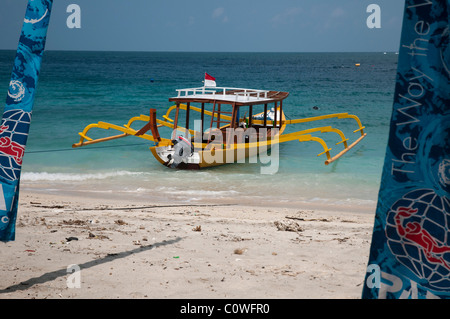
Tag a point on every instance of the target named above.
point(214, 25)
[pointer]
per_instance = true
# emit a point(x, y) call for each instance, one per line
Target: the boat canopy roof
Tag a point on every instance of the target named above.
point(226, 95)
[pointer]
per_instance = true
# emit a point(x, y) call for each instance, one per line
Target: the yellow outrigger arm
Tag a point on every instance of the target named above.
point(153, 123)
point(127, 130)
point(305, 136)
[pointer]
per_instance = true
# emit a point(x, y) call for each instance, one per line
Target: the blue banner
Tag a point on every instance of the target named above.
point(410, 251)
point(17, 113)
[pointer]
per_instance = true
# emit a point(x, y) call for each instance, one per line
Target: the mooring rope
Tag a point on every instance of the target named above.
point(85, 149)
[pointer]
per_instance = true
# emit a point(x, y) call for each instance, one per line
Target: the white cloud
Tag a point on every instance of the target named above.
point(286, 16)
point(338, 12)
point(219, 14)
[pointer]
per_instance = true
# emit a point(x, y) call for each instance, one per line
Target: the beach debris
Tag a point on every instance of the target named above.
point(239, 251)
point(197, 228)
point(348, 221)
point(36, 204)
point(120, 222)
point(288, 225)
point(308, 220)
point(296, 218)
point(71, 238)
point(234, 238)
point(342, 240)
point(93, 236)
point(77, 222)
point(137, 242)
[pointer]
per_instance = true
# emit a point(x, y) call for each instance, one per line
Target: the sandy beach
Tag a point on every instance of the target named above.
point(90, 247)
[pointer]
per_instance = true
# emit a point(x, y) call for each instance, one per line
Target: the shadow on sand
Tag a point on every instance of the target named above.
point(50, 276)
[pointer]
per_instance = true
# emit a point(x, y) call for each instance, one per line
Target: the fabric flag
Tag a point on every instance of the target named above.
point(410, 249)
point(17, 113)
point(209, 80)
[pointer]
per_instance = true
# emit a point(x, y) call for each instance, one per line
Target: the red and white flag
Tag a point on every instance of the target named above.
point(209, 80)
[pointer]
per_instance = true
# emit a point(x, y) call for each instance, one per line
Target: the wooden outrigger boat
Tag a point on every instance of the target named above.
point(226, 136)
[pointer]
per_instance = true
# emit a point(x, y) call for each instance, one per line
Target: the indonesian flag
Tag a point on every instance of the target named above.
point(209, 80)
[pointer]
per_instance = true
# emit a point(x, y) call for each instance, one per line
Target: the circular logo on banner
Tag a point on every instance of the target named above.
point(444, 173)
point(16, 90)
point(417, 231)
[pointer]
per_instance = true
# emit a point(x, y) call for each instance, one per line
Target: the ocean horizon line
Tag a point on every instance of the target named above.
point(219, 52)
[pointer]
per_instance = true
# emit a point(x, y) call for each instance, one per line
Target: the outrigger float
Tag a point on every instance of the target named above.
point(228, 138)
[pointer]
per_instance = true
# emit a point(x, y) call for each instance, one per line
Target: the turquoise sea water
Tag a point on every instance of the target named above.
point(79, 88)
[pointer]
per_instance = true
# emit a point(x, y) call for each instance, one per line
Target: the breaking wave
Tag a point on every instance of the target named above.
point(74, 177)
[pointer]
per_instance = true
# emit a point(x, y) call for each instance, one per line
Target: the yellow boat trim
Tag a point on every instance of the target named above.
point(301, 136)
point(106, 126)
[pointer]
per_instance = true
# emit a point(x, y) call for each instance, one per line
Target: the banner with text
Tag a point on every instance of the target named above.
point(17, 113)
point(410, 251)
